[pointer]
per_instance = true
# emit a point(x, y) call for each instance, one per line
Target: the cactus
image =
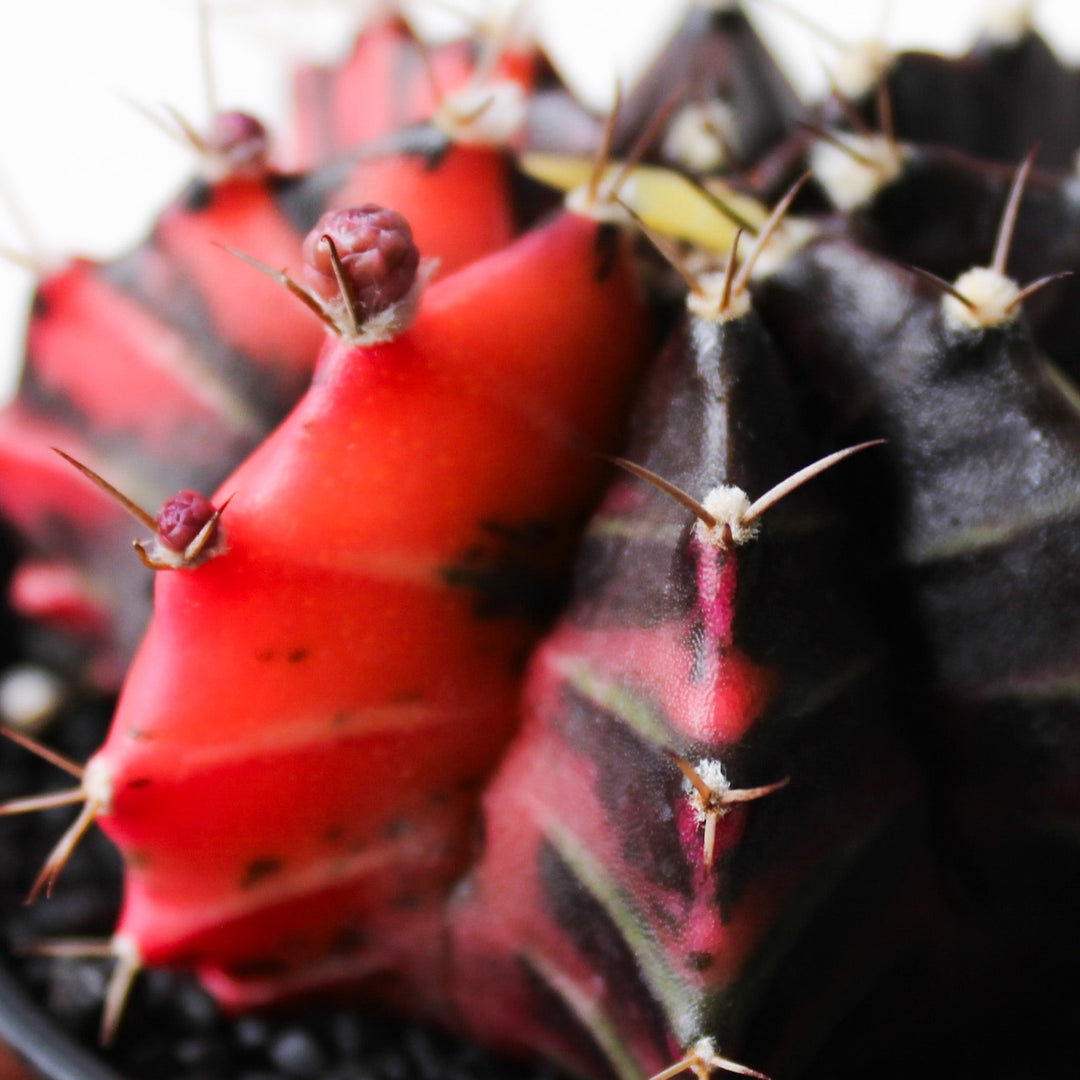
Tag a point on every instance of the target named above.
point(704, 772)
point(167, 366)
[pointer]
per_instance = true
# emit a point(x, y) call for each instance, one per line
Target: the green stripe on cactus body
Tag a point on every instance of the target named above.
point(619, 526)
point(644, 717)
point(596, 1022)
point(1050, 686)
point(1063, 384)
point(964, 542)
point(679, 1000)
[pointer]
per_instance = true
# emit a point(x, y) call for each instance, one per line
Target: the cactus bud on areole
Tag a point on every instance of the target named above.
point(712, 829)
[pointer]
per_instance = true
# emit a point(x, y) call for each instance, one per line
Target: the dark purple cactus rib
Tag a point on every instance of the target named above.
point(942, 214)
point(715, 57)
point(979, 505)
point(995, 102)
point(592, 907)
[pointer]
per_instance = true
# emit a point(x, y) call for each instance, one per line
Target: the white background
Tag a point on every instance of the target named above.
point(88, 171)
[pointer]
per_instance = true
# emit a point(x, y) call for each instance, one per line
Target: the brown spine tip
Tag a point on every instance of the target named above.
point(376, 257)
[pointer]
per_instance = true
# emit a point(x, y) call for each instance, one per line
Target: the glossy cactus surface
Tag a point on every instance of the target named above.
point(711, 758)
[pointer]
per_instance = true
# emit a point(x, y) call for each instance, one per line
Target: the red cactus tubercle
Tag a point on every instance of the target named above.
point(632, 769)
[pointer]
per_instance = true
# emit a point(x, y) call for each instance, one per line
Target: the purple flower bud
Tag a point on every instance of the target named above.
point(182, 518)
point(377, 254)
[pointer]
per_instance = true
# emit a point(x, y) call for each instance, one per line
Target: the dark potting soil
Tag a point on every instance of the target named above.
point(171, 1028)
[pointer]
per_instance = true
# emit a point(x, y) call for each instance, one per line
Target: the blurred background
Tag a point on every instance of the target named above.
point(82, 172)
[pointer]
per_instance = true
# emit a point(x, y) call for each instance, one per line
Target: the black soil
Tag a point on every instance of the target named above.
point(171, 1028)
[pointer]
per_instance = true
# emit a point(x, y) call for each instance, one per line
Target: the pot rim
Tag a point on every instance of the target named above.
point(40, 1041)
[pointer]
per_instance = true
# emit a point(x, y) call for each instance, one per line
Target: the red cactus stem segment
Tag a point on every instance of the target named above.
point(484, 412)
point(381, 87)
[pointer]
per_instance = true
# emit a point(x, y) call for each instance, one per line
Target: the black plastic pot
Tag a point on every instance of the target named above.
point(36, 1037)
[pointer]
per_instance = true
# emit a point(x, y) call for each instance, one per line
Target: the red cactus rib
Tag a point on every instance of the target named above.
point(173, 362)
point(322, 774)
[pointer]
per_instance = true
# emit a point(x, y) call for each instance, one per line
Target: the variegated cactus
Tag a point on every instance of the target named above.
point(801, 738)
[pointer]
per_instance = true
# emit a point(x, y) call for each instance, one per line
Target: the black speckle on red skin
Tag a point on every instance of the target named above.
point(506, 571)
point(294, 943)
point(259, 870)
point(434, 154)
point(346, 941)
point(608, 241)
point(531, 200)
point(700, 961)
point(394, 830)
point(198, 196)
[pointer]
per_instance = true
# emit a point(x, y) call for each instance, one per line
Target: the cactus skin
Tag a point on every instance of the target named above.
point(996, 102)
point(167, 367)
point(592, 900)
point(980, 486)
point(716, 55)
point(380, 87)
point(588, 908)
point(323, 774)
